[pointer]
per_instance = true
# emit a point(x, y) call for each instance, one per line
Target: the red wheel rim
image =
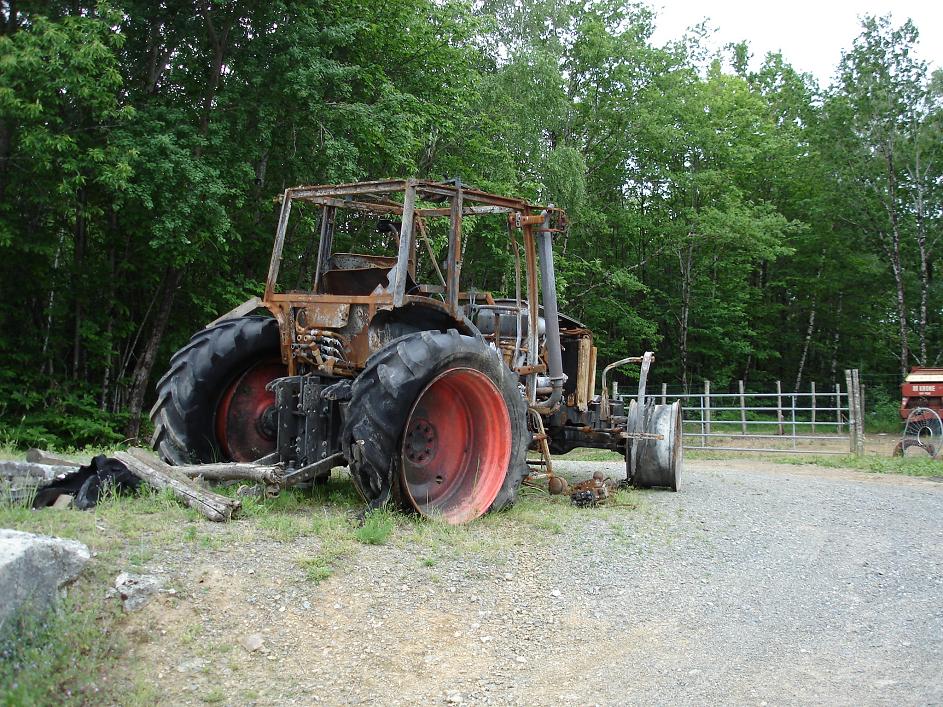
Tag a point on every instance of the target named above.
point(456, 446)
point(245, 417)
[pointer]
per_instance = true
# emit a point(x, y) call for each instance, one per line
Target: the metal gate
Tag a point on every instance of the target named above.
point(816, 421)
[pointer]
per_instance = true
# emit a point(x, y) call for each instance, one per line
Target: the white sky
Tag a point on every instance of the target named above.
point(810, 34)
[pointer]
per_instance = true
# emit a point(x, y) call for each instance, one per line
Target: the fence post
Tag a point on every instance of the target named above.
point(852, 422)
point(838, 407)
point(859, 413)
point(707, 409)
point(793, 420)
point(615, 390)
point(703, 438)
point(664, 393)
point(743, 411)
point(813, 407)
point(779, 407)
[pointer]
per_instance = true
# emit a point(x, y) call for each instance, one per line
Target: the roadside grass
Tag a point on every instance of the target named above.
point(377, 528)
point(584, 454)
point(61, 656)
point(869, 462)
point(908, 466)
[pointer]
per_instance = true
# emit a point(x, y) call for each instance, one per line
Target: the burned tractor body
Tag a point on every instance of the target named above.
point(430, 391)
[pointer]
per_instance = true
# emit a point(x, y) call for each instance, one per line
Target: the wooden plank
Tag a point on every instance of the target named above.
point(583, 382)
point(160, 475)
point(406, 241)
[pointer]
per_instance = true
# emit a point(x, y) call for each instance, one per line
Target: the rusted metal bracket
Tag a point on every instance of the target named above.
point(306, 473)
point(604, 401)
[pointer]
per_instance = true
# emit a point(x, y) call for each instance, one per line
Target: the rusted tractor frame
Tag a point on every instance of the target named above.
point(357, 304)
point(331, 313)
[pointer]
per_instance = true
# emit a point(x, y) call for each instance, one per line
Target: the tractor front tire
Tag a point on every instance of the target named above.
point(437, 423)
point(212, 405)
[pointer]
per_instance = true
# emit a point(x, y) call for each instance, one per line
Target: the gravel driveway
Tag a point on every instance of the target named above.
point(768, 583)
point(758, 583)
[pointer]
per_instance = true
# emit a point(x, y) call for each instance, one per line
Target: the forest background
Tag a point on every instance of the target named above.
point(744, 224)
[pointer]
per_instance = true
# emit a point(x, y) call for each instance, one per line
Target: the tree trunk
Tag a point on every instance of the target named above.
point(9, 22)
point(686, 262)
point(901, 304)
point(923, 249)
point(834, 368)
point(145, 362)
point(218, 40)
point(157, 55)
point(78, 283)
point(47, 362)
point(893, 249)
point(809, 329)
point(805, 346)
point(6, 141)
point(109, 326)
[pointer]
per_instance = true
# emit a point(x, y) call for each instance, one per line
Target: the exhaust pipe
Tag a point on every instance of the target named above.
point(548, 286)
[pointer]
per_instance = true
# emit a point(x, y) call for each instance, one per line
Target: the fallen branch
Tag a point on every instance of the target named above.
point(219, 472)
point(160, 475)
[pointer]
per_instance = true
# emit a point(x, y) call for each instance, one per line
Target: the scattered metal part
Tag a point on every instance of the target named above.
point(557, 485)
point(592, 492)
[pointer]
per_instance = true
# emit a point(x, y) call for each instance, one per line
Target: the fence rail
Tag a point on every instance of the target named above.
point(796, 417)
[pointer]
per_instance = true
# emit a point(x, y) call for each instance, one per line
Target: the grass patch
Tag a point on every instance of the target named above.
point(214, 696)
point(338, 542)
point(376, 529)
point(908, 466)
point(317, 569)
point(320, 566)
point(283, 528)
point(288, 501)
point(587, 454)
point(59, 657)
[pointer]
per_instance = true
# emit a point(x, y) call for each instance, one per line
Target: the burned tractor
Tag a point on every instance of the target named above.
point(382, 360)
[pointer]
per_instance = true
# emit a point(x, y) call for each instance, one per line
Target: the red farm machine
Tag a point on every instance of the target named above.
point(377, 355)
point(921, 405)
point(922, 388)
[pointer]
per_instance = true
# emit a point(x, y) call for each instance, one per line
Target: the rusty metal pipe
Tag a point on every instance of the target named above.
point(548, 286)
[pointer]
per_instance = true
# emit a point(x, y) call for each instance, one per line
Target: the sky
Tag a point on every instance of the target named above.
point(810, 34)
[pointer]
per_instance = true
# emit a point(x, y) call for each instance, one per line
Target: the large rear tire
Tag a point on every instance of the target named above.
point(212, 404)
point(437, 423)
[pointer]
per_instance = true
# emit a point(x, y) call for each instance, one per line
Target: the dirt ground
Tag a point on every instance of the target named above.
point(874, 443)
point(758, 582)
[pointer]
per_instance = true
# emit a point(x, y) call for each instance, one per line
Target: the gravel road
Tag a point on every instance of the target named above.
point(769, 583)
point(758, 583)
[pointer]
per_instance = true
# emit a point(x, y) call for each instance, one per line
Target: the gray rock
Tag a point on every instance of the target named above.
point(252, 642)
point(136, 590)
point(33, 568)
